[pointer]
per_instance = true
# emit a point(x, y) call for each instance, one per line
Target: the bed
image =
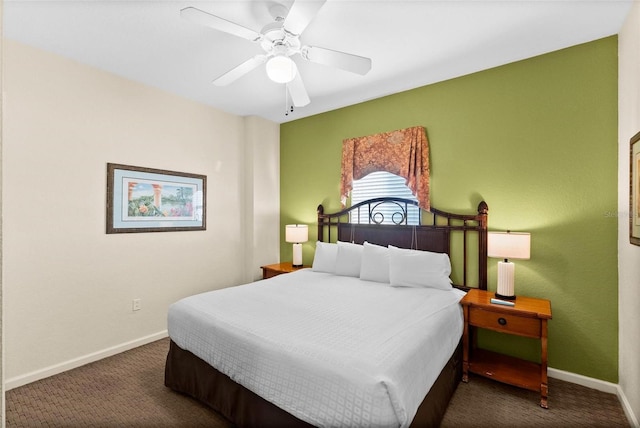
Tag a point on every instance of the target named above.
point(339, 344)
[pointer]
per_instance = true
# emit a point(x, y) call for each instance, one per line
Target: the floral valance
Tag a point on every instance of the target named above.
point(404, 152)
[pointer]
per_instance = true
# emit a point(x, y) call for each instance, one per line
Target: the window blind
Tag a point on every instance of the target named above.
point(383, 184)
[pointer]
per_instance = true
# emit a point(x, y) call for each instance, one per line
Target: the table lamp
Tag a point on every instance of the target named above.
point(508, 245)
point(297, 234)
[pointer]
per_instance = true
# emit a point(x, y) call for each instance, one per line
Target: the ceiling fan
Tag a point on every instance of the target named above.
point(281, 40)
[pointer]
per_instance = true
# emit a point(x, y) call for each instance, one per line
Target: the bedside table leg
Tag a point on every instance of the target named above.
point(543, 396)
point(544, 390)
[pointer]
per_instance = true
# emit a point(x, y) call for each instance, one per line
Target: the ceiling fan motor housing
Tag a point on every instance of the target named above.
point(276, 40)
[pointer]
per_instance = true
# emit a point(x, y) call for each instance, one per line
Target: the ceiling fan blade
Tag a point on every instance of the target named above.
point(239, 71)
point(301, 14)
point(298, 92)
point(208, 20)
point(345, 61)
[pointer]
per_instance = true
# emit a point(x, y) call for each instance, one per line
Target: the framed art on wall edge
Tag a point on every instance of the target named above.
point(634, 196)
point(154, 200)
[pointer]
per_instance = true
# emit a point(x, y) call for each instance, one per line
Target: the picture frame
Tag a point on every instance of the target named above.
point(143, 199)
point(634, 190)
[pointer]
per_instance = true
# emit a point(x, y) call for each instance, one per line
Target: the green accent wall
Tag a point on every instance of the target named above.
point(537, 140)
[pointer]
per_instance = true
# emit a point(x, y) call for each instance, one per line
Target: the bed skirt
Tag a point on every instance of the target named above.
point(190, 375)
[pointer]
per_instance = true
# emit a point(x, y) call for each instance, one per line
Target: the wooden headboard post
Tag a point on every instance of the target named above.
point(483, 214)
point(434, 233)
point(320, 212)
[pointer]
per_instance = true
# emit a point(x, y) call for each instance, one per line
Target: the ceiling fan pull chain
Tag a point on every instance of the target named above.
point(286, 101)
point(287, 108)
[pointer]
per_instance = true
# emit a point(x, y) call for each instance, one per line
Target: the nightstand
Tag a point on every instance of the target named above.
point(527, 318)
point(269, 271)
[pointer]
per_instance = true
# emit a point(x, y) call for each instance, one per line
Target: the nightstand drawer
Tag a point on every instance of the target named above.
point(506, 323)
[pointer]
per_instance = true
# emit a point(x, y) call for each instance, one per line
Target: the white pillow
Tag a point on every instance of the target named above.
point(375, 263)
point(349, 259)
point(324, 259)
point(413, 268)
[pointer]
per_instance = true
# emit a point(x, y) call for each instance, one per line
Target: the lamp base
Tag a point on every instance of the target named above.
point(500, 296)
point(505, 289)
point(297, 266)
point(297, 255)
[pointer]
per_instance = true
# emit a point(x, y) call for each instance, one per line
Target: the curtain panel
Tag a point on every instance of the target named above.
point(404, 152)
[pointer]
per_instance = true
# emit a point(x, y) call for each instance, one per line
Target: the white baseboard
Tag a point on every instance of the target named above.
point(589, 382)
point(599, 385)
point(80, 361)
point(631, 417)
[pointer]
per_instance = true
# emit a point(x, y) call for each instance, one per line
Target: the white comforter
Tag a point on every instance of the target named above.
point(331, 350)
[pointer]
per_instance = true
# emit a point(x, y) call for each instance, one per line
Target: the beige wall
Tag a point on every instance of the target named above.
point(68, 286)
point(628, 255)
point(262, 211)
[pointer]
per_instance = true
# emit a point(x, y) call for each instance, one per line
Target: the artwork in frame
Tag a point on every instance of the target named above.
point(154, 200)
point(634, 196)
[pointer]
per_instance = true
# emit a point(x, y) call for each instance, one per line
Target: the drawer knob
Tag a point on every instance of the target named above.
point(502, 321)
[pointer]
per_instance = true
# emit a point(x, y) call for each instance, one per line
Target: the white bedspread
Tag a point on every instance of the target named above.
point(331, 350)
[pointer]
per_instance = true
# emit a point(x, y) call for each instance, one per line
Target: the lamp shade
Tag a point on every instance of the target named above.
point(281, 69)
point(296, 233)
point(509, 245)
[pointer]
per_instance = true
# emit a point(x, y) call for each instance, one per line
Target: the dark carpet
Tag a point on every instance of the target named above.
point(127, 390)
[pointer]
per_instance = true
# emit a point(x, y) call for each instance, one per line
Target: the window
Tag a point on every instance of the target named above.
point(383, 184)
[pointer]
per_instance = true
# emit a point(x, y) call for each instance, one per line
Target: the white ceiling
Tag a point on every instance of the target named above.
point(411, 43)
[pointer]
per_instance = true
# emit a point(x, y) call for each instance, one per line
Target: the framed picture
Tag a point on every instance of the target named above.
point(154, 200)
point(634, 196)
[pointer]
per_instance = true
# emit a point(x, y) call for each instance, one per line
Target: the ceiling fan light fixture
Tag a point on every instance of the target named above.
point(281, 69)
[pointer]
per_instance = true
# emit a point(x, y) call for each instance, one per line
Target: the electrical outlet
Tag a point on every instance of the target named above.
point(137, 304)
